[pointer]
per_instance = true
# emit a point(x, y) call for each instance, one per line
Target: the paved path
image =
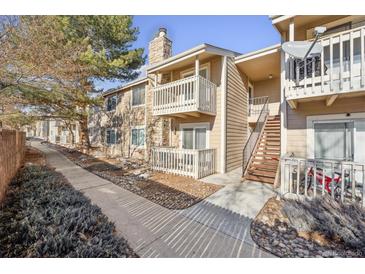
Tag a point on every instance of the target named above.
point(203, 230)
point(244, 198)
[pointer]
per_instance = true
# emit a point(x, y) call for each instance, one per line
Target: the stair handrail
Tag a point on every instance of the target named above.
point(255, 135)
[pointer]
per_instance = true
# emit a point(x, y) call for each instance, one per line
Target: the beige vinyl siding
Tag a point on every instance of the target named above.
point(236, 116)
point(297, 120)
point(271, 88)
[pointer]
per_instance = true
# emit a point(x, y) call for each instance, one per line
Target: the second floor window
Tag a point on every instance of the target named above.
point(111, 103)
point(138, 96)
point(111, 136)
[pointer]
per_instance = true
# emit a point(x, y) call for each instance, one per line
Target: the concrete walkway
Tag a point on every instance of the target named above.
point(244, 198)
point(203, 230)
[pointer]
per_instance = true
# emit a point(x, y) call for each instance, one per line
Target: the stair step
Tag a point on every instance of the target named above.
point(266, 157)
point(263, 173)
point(272, 129)
point(262, 167)
point(260, 179)
point(267, 164)
point(268, 150)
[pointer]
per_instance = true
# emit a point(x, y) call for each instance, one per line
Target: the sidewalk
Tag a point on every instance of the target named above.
point(203, 230)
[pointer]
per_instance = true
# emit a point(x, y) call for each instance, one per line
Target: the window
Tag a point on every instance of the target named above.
point(138, 96)
point(194, 137)
point(138, 136)
point(334, 141)
point(111, 103)
point(111, 136)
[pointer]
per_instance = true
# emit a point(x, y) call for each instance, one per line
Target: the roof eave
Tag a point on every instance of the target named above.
point(135, 83)
point(258, 53)
point(190, 53)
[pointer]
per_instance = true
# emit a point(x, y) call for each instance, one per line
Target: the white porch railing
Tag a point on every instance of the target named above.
point(340, 69)
point(343, 181)
point(181, 96)
point(196, 163)
point(256, 104)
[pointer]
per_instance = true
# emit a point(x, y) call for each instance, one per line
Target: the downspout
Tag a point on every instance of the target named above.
point(223, 115)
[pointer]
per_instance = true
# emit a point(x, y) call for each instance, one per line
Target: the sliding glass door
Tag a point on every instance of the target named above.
point(334, 141)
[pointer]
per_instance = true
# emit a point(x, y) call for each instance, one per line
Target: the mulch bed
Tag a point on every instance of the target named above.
point(44, 216)
point(273, 231)
point(170, 191)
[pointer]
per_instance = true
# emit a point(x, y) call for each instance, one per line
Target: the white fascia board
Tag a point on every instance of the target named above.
point(134, 83)
point(191, 53)
point(258, 53)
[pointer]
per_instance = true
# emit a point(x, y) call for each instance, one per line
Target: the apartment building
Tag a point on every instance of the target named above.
point(57, 132)
point(209, 109)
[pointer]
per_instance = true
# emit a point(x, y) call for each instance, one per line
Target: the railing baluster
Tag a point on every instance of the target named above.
point(342, 182)
point(362, 36)
point(323, 178)
point(322, 72)
point(333, 181)
point(313, 74)
point(331, 63)
point(363, 184)
point(341, 62)
point(314, 183)
point(351, 59)
point(353, 182)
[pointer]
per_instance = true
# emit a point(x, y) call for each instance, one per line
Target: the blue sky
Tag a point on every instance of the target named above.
point(238, 33)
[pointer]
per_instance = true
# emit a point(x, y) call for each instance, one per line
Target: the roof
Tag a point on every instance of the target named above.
point(257, 53)
point(139, 80)
point(203, 48)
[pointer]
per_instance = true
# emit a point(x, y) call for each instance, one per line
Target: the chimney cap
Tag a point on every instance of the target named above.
point(162, 31)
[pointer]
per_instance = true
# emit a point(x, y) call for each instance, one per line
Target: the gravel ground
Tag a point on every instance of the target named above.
point(43, 216)
point(273, 231)
point(167, 190)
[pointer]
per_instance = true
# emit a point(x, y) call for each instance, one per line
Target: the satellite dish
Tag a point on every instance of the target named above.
point(302, 49)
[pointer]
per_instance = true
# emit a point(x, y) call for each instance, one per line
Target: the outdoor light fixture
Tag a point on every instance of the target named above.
point(270, 76)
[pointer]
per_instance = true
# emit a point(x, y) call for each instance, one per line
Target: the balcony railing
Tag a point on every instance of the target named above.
point(340, 69)
point(192, 94)
point(256, 104)
point(343, 181)
point(196, 163)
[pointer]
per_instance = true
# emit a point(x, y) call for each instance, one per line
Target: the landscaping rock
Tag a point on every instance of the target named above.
point(277, 232)
point(170, 191)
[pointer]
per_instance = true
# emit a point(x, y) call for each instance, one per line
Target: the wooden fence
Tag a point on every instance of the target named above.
point(12, 150)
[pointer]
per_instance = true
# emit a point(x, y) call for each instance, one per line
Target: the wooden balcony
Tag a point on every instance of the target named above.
point(339, 70)
point(196, 163)
point(190, 96)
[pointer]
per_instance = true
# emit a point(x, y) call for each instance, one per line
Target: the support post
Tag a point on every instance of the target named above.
point(197, 84)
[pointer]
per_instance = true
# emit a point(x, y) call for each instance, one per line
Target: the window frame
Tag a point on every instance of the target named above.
point(205, 66)
point(343, 117)
point(194, 126)
point(115, 136)
point(107, 103)
point(138, 128)
point(133, 89)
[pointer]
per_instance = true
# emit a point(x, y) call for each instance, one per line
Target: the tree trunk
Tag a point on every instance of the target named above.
point(84, 133)
point(69, 127)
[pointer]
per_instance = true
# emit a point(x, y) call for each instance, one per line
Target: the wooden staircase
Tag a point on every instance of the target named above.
point(265, 157)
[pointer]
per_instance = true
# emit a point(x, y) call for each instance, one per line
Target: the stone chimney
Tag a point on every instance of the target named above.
point(160, 48)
